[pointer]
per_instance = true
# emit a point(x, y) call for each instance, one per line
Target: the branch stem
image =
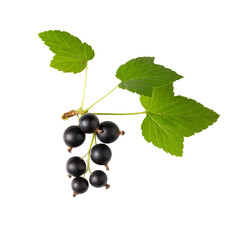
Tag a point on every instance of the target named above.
point(102, 98)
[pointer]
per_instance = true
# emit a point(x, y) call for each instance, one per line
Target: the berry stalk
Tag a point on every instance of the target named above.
point(88, 154)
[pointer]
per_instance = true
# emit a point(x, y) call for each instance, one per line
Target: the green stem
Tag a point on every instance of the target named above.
point(85, 155)
point(120, 113)
point(88, 153)
point(88, 162)
point(84, 89)
point(101, 98)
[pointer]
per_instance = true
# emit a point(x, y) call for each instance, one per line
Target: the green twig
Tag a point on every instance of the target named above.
point(101, 98)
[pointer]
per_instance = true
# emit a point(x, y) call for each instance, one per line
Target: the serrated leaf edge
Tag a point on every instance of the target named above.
point(83, 43)
point(149, 141)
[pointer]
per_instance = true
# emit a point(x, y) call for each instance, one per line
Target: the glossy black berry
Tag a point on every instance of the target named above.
point(75, 166)
point(98, 179)
point(101, 154)
point(79, 185)
point(73, 136)
point(88, 123)
point(108, 132)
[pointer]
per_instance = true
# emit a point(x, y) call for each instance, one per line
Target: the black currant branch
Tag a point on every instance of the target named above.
point(74, 136)
point(80, 111)
point(142, 70)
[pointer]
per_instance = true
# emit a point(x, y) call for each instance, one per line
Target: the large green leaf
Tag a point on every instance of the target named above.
point(141, 75)
point(71, 54)
point(171, 118)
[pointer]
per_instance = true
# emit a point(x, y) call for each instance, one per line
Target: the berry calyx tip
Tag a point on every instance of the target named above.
point(69, 149)
point(121, 133)
point(74, 194)
point(107, 168)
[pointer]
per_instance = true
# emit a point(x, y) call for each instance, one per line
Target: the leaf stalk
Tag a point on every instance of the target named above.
point(135, 113)
point(84, 89)
point(101, 98)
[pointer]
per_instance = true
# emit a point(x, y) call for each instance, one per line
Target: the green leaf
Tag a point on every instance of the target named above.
point(71, 54)
point(146, 101)
point(141, 75)
point(171, 118)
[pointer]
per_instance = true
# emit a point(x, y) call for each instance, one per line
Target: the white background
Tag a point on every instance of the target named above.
point(153, 195)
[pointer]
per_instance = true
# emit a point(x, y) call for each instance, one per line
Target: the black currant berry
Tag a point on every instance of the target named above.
point(79, 185)
point(99, 179)
point(101, 154)
point(108, 132)
point(75, 166)
point(88, 123)
point(73, 137)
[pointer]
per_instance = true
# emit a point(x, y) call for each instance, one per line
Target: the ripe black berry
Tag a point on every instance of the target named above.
point(88, 123)
point(101, 154)
point(73, 136)
point(75, 166)
point(99, 179)
point(79, 185)
point(108, 132)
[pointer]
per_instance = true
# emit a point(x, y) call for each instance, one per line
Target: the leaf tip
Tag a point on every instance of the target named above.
point(180, 76)
point(40, 34)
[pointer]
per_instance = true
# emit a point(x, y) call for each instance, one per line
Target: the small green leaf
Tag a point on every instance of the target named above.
point(71, 54)
point(141, 75)
point(171, 118)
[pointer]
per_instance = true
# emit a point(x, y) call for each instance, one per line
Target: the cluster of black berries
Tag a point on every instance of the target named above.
point(74, 136)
